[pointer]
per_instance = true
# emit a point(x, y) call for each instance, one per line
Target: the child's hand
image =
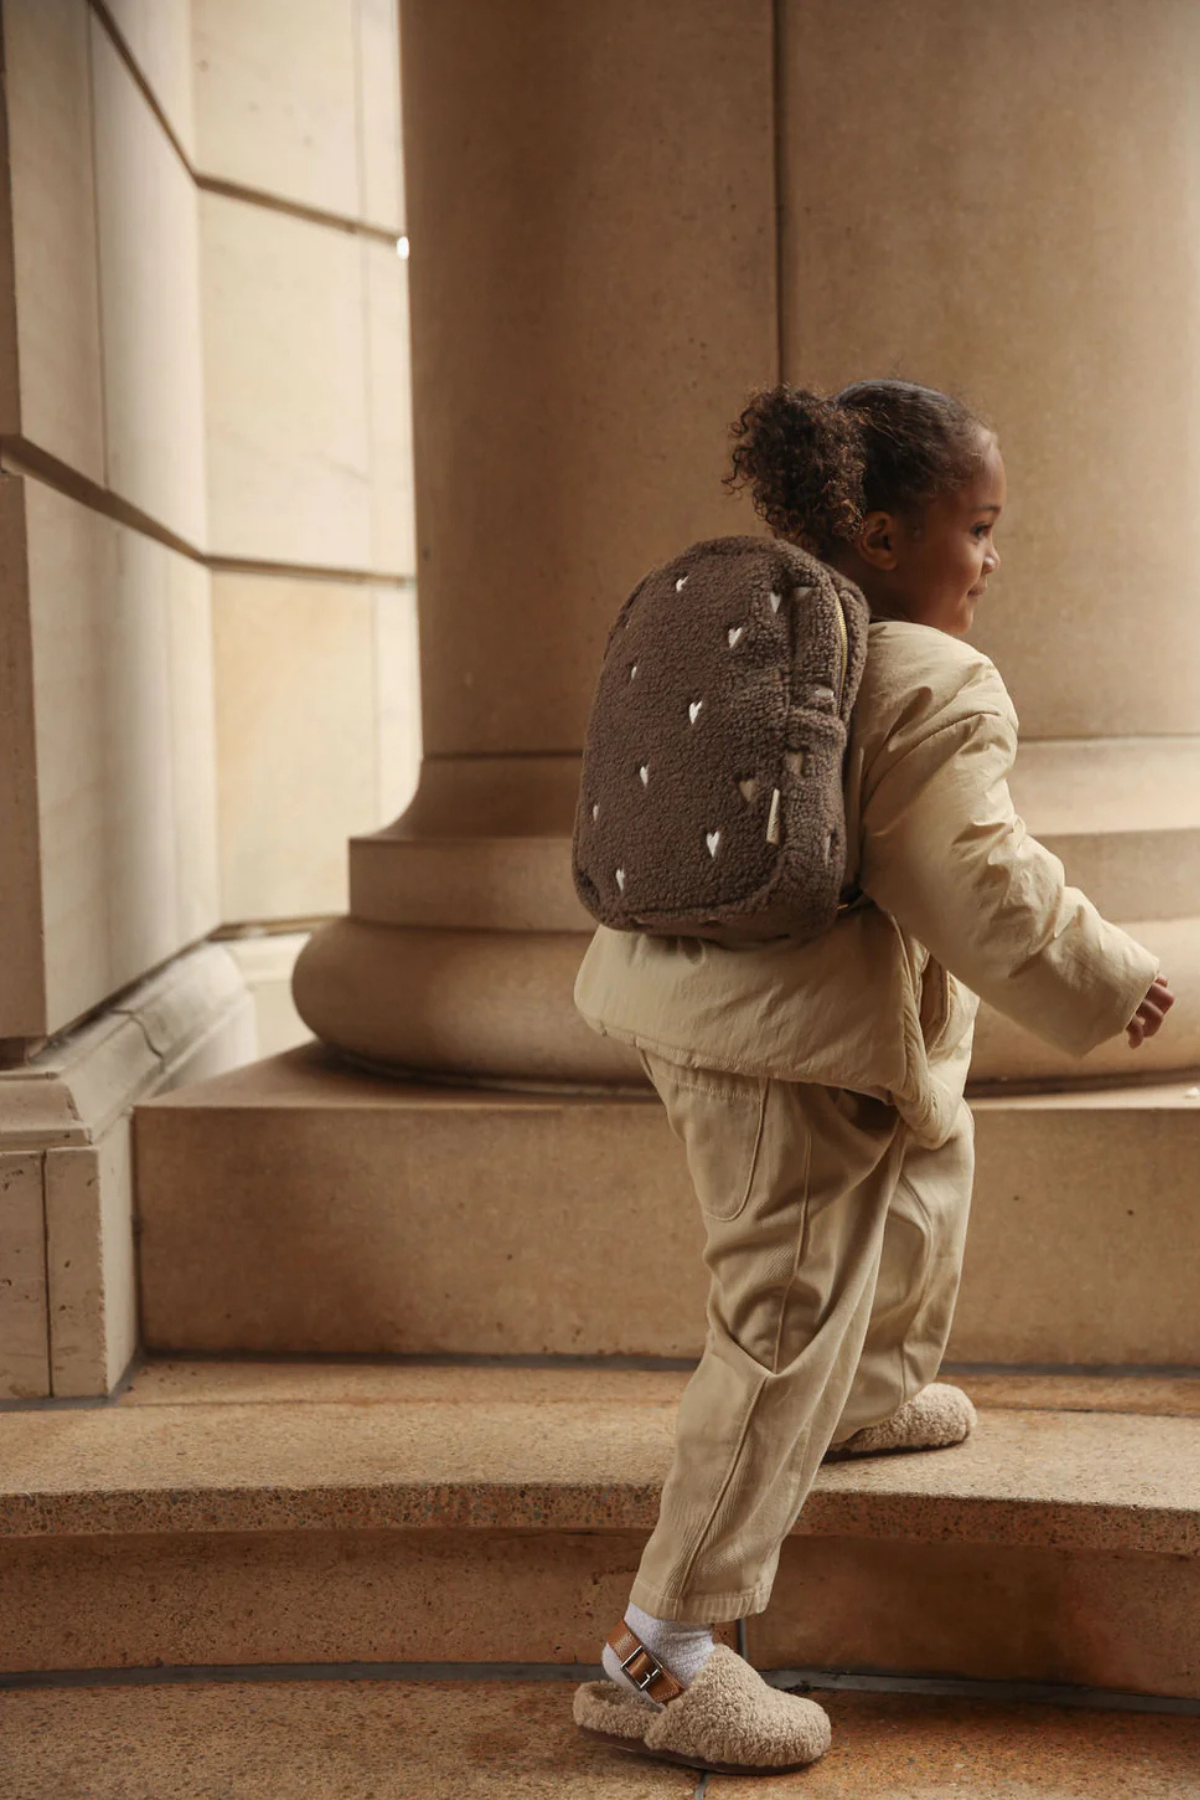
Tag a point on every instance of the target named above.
point(1151, 1013)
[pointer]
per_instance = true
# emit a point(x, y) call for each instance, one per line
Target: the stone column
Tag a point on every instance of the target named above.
point(593, 290)
point(1002, 203)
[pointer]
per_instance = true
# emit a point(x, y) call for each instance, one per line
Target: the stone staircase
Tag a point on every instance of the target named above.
point(256, 1512)
point(298, 1207)
point(336, 1541)
point(488, 1739)
point(388, 1460)
point(385, 1426)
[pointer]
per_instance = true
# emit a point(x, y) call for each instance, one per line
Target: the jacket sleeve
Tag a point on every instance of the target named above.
point(945, 854)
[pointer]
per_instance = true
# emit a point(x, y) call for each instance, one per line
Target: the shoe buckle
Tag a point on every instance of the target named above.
point(642, 1682)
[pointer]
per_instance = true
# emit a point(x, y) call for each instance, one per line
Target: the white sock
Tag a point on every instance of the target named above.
point(680, 1646)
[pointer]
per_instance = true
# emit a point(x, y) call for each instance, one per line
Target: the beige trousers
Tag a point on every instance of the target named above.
point(835, 1245)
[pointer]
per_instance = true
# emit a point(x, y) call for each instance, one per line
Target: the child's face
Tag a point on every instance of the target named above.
point(935, 571)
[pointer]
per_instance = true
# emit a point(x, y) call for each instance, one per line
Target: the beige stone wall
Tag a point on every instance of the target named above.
point(998, 201)
point(205, 514)
point(1003, 201)
point(305, 321)
point(113, 864)
point(207, 608)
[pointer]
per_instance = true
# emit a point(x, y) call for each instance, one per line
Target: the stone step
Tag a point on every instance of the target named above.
point(297, 1206)
point(248, 1514)
point(497, 1740)
point(406, 1739)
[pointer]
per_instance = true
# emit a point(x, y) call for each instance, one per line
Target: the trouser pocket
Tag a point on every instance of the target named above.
point(719, 1118)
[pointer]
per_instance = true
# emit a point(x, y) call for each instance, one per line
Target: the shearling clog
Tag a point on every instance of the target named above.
point(728, 1720)
point(940, 1415)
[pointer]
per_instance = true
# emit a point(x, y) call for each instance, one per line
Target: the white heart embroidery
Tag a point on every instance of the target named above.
point(736, 633)
point(644, 773)
point(776, 602)
point(680, 583)
point(712, 839)
point(621, 879)
point(694, 710)
point(749, 788)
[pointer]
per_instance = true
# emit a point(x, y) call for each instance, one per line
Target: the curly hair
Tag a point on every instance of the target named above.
point(817, 466)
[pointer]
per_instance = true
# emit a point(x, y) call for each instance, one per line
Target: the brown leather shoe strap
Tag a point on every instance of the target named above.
point(642, 1666)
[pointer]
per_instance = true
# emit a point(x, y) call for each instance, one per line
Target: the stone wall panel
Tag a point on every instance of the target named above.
point(55, 399)
point(22, 966)
point(276, 98)
point(123, 706)
point(286, 378)
point(150, 298)
point(158, 34)
point(382, 197)
point(1006, 203)
point(297, 740)
point(389, 400)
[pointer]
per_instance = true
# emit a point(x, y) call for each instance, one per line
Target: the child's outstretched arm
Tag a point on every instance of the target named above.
point(944, 852)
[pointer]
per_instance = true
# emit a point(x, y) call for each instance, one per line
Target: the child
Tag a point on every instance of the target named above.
point(818, 1087)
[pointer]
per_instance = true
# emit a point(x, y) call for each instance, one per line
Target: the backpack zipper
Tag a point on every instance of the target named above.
point(844, 905)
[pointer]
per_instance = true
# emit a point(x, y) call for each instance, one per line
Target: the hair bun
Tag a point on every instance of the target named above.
point(815, 466)
point(803, 458)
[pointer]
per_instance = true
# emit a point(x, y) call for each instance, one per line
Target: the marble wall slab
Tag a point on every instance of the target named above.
point(150, 304)
point(389, 409)
point(298, 740)
point(398, 718)
point(317, 733)
point(289, 454)
point(276, 94)
point(54, 393)
point(122, 680)
point(381, 200)
point(158, 34)
point(300, 99)
point(22, 967)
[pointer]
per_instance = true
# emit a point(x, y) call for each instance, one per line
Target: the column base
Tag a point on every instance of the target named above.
point(495, 1008)
point(472, 1006)
point(459, 954)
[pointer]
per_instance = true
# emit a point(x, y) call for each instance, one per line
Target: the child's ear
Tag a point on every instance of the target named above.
point(876, 542)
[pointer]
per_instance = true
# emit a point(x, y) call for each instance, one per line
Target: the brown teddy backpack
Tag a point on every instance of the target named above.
point(711, 802)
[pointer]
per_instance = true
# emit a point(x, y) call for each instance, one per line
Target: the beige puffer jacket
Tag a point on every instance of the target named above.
point(959, 902)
